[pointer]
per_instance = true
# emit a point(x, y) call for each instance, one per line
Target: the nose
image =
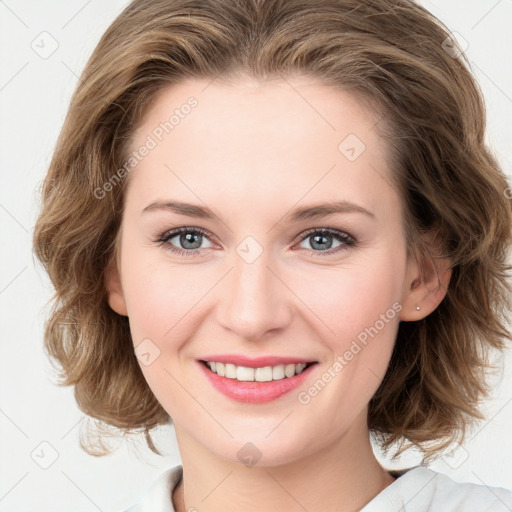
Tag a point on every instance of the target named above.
point(255, 299)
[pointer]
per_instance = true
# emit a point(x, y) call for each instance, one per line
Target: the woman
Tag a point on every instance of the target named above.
point(277, 225)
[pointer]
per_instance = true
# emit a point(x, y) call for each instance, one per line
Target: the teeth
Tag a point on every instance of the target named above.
point(230, 371)
point(264, 374)
point(244, 374)
point(220, 369)
point(278, 372)
point(289, 370)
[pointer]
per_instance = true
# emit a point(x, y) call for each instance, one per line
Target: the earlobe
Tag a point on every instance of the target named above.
point(115, 296)
point(425, 293)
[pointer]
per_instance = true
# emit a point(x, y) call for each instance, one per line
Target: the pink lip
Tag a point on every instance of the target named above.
point(256, 362)
point(255, 392)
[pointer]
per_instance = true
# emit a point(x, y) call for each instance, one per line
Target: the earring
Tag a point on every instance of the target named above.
point(418, 308)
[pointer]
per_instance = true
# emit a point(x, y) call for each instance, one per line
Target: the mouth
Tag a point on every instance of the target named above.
point(255, 383)
point(256, 374)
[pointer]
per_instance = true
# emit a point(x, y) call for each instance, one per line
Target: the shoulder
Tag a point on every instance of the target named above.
point(421, 489)
point(158, 495)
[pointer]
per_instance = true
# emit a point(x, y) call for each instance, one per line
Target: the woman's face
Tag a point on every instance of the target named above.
point(260, 281)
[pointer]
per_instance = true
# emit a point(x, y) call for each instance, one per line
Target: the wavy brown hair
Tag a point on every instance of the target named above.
point(392, 55)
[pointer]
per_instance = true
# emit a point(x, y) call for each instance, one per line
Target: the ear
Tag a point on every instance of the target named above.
point(115, 294)
point(425, 289)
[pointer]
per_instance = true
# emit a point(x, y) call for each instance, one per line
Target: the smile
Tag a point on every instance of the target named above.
point(262, 374)
point(265, 380)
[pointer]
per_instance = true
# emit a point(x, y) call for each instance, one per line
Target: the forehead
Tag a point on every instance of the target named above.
point(271, 112)
point(295, 136)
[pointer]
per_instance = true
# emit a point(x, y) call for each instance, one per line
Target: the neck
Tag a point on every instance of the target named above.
point(343, 477)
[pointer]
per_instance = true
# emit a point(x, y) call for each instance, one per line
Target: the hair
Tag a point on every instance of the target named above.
point(390, 54)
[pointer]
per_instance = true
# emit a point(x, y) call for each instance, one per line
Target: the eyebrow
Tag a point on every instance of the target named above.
point(310, 212)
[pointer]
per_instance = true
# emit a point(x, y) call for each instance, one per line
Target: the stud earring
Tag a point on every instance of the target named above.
point(418, 308)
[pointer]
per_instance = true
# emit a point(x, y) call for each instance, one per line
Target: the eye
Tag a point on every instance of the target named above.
point(189, 238)
point(320, 239)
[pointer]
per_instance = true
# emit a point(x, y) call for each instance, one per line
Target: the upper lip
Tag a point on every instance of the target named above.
point(255, 362)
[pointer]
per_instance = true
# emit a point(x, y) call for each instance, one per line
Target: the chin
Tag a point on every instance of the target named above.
point(258, 451)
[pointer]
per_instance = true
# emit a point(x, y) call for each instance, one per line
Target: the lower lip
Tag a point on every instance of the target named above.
point(255, 392)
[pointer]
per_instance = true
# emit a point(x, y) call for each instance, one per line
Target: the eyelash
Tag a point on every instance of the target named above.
point(348, 240)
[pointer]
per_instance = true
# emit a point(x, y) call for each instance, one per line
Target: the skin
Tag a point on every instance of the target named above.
point(254, 151)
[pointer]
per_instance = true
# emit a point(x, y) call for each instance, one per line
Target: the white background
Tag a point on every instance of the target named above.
point(34, 95)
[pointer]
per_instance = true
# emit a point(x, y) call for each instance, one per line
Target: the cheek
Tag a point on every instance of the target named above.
point(160, 302)
point(158, 293)
point(359, 308)
point(353, 297)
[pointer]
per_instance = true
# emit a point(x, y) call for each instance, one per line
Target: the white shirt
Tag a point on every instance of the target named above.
point(417, 489)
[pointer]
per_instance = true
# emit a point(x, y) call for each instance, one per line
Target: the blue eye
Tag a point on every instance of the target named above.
point(320, 239)
point(187, 237)
point(191, 240)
